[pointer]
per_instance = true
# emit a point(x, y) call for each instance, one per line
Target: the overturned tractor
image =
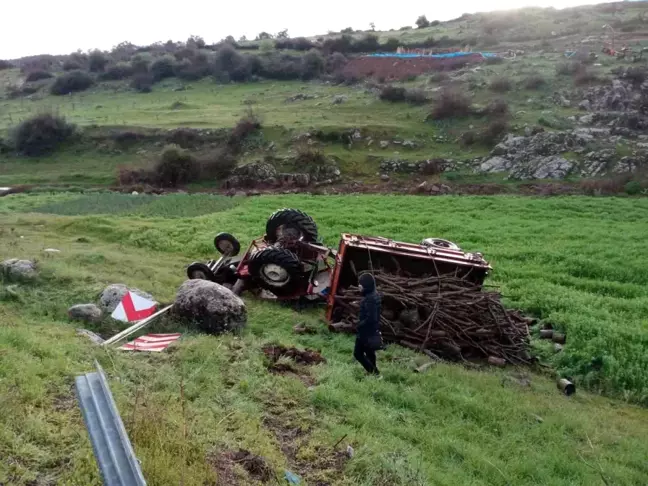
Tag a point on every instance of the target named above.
point(433, 296)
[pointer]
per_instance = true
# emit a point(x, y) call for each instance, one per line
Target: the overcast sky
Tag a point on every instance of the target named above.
point(63, 26)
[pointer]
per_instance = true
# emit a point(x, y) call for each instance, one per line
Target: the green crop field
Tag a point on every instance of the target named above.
point(577, 263)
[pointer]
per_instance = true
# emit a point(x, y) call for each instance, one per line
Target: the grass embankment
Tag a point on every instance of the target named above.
point(559, 259)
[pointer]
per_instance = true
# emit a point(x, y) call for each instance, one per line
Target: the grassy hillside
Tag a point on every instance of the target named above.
point(186, 410)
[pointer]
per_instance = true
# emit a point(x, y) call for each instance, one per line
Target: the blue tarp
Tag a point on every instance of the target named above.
point(434, 56)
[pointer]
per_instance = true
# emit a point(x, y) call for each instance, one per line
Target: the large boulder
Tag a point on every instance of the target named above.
point(495, 164)
point(213, 308)
point(15, 269)
point(85, 313)
point(114, 293)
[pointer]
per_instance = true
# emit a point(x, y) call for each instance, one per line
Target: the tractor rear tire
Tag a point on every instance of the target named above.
point(290, 224)
point(276, 269)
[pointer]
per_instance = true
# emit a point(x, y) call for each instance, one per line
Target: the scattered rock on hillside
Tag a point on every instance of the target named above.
point(15, 269)
point(114, 293)
point(339, 99)
point(585, 105)
point(85, 313)
point(384, 144)
point(549, 167)
point(212, 307)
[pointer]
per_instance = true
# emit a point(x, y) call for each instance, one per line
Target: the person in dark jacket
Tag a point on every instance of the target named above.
point(368, 330)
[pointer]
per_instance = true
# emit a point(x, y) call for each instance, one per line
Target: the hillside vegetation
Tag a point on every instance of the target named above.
point(582, 112)
point(189, 409)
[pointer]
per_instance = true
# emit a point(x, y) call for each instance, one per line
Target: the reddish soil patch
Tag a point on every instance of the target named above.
point(394, 68)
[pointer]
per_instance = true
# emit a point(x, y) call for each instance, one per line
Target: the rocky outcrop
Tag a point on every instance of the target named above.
point(541, 156)
point(212, 308)
point(263, 174)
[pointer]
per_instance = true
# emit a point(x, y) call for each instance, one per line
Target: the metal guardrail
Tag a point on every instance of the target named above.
point(112, 448)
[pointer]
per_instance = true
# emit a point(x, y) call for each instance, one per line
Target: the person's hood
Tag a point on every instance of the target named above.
point(368, 283)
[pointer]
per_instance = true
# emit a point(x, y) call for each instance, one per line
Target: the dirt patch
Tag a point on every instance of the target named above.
point(292, 432)
point(291, 361)
point(256, 467)
point(306, 357)
point(223, 464)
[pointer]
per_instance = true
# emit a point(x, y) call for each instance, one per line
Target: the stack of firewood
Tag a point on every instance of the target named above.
point(443, 316)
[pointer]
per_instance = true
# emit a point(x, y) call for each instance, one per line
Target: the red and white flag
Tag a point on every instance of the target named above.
point(151, 342)
point(133, 308)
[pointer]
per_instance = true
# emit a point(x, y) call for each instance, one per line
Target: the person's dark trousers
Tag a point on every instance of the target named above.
point(365, 356)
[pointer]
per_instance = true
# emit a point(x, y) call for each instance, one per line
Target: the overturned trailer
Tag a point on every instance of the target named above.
point(433, 295)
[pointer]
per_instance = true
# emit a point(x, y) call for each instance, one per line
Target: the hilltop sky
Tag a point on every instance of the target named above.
point(63, 26)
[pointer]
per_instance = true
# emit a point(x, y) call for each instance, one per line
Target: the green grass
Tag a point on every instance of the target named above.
point(558, 259)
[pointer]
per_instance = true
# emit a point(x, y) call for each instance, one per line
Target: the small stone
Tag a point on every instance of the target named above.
point(384, 144)
point(384, 177)
point(85, 313)
point(135, 193)
point(51, 250)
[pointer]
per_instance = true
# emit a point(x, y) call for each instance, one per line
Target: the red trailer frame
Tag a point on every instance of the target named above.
point(378, 251)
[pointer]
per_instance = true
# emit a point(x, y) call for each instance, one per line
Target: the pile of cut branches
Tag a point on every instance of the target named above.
point(443, 316)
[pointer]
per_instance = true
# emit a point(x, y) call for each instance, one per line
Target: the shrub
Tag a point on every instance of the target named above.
point(217, 163)
point(416, 96)
point(568, 68)
point(468, 138)
point(493, 60)
point(38, 75)
point(142, 82)
point(422, 22)
point(246, 126)
point(583, 77)
point(140, 63)
point(434, 23)
point(450, 103)
point(281, 66)
point(392, 93)
point(637, 75)
point(391, 44)
point(498, 107)
point(5, 65)
point(500, 85)
point(633, 188)
point(116, 72)
point(494, 131)
point(175, 167)
point(162, 68)
point(71, 82)
point(41, 134)
point(191, 70)
point(97, 61)
point(335, 62)
point(313, 64)
point(71, 65)
point(534, 81)
point(368, 43)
